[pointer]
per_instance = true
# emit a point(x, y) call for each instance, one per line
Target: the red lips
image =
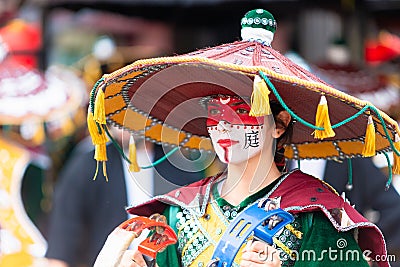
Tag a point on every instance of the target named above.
point(227, 142)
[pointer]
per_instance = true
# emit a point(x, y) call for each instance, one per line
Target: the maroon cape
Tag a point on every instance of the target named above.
point(299, 192)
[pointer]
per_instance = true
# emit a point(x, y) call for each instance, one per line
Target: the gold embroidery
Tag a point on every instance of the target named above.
point(297, 233)
point(282, 246)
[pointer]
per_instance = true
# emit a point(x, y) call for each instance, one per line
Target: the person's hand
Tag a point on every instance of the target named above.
point(260, 254)
point(132, 258)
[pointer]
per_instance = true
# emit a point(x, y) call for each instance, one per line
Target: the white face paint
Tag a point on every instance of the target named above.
point(235, 143)
point(236, 136)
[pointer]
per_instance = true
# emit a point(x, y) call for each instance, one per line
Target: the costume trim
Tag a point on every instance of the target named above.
point(373, 240)
point(171, 198)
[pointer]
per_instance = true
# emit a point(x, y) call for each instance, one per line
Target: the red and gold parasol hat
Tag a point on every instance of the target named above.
point(158, 98)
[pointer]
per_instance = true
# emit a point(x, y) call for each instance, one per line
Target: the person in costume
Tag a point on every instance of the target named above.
point(248, 178)
point(164, 100)
point(37, 111)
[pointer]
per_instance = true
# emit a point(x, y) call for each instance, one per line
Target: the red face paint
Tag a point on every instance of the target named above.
point(231, 109)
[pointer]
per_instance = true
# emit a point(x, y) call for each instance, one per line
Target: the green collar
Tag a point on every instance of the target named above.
point(247, 201)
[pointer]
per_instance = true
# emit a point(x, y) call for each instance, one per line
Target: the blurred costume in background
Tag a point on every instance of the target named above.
point(367, 83)
point(163, 99)
point(36, 110)
point(91, 226)
point(21, 243)
point(24, 41)
point(384, 48)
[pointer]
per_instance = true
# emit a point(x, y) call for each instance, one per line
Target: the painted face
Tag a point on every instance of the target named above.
point(236, 136)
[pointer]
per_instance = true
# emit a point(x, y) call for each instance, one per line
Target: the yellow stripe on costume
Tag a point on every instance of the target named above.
point(282, 246)
point(210, 226)
point(297, 233)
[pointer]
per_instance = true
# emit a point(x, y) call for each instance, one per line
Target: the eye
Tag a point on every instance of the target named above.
point(213, 111)
point(242, 111)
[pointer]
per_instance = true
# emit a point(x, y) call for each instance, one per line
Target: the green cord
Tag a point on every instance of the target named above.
point(117, 146)
point(121, 151)
point(349, 185)
point(161, 159)
point(92, 100)
point(93, 95)
point(389, 181)
point(385, 130)
point(279, 98)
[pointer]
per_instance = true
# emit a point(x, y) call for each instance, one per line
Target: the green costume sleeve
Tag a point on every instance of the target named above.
point(323, 245)
point(170, 257)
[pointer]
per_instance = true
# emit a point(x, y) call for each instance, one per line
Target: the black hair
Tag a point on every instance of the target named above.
point(286, 137)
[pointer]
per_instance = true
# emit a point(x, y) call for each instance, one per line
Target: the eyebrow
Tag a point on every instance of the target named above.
point(213, 104)
point(237, 103)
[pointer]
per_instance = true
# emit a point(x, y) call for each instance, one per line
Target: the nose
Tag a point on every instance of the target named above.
point(223, 126)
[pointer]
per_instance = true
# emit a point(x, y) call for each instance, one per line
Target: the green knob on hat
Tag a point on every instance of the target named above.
point(258, 25)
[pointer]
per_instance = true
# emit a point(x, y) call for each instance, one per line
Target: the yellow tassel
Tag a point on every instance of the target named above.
point(396, 158)
point(97, 137)
point(104, 171)
point(99, 110)
point(133, 167)
point(100, 155)
point(322, 120)
point(369, 143)
point(97, 171)
point(259, 98)
point(100, 152)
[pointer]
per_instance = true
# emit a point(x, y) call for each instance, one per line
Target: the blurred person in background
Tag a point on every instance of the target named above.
point(39, 111)
point(85, 211)
point(368, 193)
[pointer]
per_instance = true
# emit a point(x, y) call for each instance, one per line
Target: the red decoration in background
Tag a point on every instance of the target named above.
point(385, 48)
point(23, 41)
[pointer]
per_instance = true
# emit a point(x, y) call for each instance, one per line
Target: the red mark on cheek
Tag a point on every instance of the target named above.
point(226, 154)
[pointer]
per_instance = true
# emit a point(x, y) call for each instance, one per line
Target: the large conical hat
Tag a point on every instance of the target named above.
point(159, 98)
